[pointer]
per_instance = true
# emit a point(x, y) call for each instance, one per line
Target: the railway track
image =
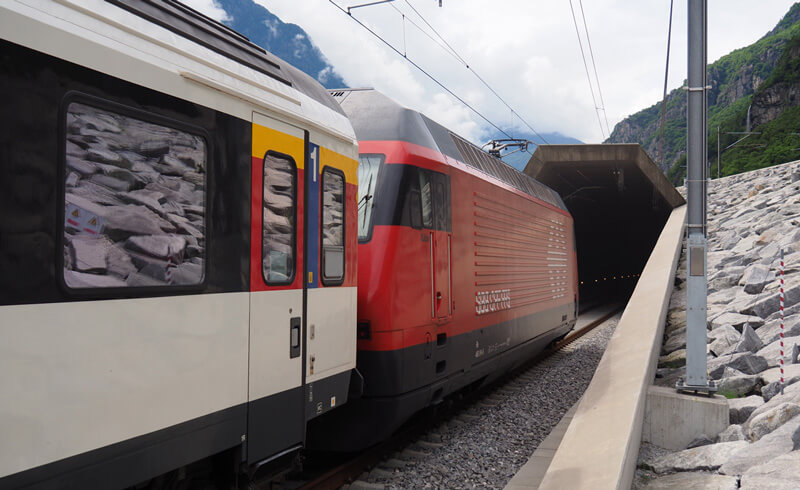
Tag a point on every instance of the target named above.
point(412, 442)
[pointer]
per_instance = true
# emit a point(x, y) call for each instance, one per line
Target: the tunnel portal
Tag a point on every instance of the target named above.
point(620, 201)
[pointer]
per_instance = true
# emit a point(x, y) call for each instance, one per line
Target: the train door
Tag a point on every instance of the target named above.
point(435, 193)
point(276, 420)
point(330, 282)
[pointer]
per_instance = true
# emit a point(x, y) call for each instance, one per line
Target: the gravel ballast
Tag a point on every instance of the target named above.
point(485, 445)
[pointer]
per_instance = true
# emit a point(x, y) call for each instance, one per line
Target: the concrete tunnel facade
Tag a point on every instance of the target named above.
point(620, 201)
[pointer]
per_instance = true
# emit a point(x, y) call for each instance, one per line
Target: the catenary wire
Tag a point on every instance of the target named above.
point(466, 104)
point(464, 62)
point(664, 98)
point(594, 66)
point(445, 48)
point(586, 67)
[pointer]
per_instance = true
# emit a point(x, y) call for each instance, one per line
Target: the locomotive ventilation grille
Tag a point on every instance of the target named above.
point(521, 254)
point(479, 159)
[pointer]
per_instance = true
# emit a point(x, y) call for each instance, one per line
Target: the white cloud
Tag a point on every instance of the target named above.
point(272, 25)
point(454, 117)
point(208, 8)
point(526, 50)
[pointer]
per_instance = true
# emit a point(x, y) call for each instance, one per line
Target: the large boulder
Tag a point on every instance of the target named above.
point(745, 362)
point(779, 442)
point(788, 311)
point(723, 331)
point(740, 409)
point(772, 379)
point(675, 342)
point(770, 420)
point(703, 458)
point(673, 359)
point(768, 302)
point(771, 331)
point(723, 296)
point(736, 320)
point(676, 320)
point(725, 339)
point(781, 473)
point(90, 253)
point(738, 385)
point(749, 341)
point(79, 280)
point(772, 352)
point(791, 395)
point(161, 246)
point(694, 480)
point(791, 374)
point(734, 432)
point(755, 278)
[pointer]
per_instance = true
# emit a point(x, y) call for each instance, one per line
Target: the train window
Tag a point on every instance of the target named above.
point(134, 200)
point(279, 210)
point(368, 166)
point(426, 189)
point(414, 210)
point(442, 198)
point(333, 196)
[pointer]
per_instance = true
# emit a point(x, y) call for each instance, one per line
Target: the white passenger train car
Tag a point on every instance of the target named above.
point(177, 245)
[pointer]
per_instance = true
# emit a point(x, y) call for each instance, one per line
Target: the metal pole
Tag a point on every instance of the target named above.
point(696, 375)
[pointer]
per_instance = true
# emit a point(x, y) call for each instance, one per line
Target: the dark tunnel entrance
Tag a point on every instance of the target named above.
point(620, 201)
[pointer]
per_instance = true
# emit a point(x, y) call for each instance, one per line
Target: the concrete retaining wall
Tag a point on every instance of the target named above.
point(601, 445)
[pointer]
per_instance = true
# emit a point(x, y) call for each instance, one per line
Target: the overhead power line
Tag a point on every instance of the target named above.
point(586, 67)
point(664, 98)
point(441, 42)
point(387, 43)
point(594, 66)
point(447, 49)
point(468, 67)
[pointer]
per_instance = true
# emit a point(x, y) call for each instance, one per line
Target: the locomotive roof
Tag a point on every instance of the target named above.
point(192, 25)
point(376, 117)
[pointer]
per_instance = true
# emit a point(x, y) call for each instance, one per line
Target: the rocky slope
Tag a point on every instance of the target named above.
point(752, 216)
point(734, 80)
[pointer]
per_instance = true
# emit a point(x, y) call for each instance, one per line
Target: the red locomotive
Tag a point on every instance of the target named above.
point(466, 268)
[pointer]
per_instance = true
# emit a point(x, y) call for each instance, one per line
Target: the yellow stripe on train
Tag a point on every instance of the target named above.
point(265, 139)
point(337, 160)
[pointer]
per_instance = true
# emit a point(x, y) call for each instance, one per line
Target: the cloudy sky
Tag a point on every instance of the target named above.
point(527, 51)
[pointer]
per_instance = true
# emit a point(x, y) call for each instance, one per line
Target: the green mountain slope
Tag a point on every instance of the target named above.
point(756, 75)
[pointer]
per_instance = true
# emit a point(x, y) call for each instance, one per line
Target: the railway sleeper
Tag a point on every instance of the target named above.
point(393, 463)
point(413, 455)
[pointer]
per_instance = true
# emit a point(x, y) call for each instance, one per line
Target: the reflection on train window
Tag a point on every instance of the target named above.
point(425, 194)
point(333, 194)
point(440, 208)
point(368, 166)
point(135, 202)
point(278, 233)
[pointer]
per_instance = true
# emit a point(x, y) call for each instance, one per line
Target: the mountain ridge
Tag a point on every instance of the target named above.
point(734, 79)
point(288, 42)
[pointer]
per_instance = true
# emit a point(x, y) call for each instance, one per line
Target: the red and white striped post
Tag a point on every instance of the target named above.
point(171, 264)
point(782, 382)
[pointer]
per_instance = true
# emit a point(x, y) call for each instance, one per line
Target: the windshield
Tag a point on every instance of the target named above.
point(368, 165)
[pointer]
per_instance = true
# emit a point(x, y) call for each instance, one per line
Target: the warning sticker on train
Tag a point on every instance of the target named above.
point(79, 219)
